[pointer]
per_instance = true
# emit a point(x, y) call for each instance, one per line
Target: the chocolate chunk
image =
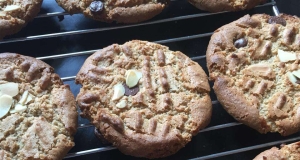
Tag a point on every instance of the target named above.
point(131, 91)
point(234, 56)
point(242, 42)
point(277, 20)
point(96, 6)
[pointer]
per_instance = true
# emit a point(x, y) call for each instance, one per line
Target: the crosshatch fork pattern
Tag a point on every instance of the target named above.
point(164, 41)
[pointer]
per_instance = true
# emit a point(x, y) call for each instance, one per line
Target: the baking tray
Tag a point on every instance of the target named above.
point(65, 41)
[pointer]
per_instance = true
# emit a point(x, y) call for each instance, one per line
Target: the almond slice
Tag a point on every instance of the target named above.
point(11, 8)
point(292, 78)
point(121, 104)
point(132, 78)
point(119, 91)
point(24, 97)
point(29, 98)
point(20, 107)
point(5, 104)
point(10, 88)
point(2, 13)
point(285, 56)
point(296, 73)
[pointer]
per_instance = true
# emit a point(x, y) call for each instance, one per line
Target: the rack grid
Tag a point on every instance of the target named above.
point(64, 56)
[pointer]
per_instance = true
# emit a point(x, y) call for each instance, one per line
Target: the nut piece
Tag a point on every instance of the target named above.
point(121, 104)
point(296, 73)
point(18, 108)
point(11, 8)
point(10, 88)
point(132, 78)
point(286, 56)
point(23, 98)
point(29, 98)
point(119, 91)
point(292, 78)
point(2, 13)
point(5, 104)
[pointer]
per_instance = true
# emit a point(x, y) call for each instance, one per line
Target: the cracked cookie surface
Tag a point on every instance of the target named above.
point(171, 105)
point(225, 5)
point(45, 129)
point(121, 11)
point(15, 14)
point(286, 152)
point(254, 63)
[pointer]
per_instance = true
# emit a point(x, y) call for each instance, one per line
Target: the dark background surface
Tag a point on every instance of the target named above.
point(203, 144)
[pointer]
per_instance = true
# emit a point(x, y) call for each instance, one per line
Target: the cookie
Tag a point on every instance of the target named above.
point(146, 100)
point(254, 63)
point(224, 5)
point(287, 152)
point(38, 116)
point(15, 14)
point(120, 11)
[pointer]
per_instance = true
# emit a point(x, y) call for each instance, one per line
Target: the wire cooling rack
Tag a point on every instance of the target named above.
point(65, 42)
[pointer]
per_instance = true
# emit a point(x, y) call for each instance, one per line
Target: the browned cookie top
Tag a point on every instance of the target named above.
point(254, 63)
point(38, 116)
point(122, 11)
point(225, 5)
point(287, 152)
point(167, 104)
point(15, 14)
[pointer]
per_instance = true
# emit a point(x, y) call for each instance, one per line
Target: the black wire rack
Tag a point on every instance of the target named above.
point(65, 43)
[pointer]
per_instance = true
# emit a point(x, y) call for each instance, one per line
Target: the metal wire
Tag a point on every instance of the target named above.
point(102, 149)
point(247, 149)
point(51, 35)
point(107, 148)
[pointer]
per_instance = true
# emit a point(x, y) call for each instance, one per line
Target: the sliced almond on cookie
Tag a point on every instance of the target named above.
point(285, 56)
point(29, 98)
point(5, 104)
point(10, 88)
point(121, 104)
point(2, 13)
point(119, 91)
point(24, 97)
point(292, 78)
point(11, 8)
point(132, 78)
point(18, 108)
point(296, 73)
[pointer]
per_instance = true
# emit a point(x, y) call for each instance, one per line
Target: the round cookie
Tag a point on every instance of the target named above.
point(38, 115)
point(254, 63)
point(121, 11)
point(287, 152)
point(15, 14)
point(146, 100)
point(225, 5)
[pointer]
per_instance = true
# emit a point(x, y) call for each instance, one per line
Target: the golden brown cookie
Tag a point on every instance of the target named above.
point(254, 63)
point(287, 152)
point(121, 11)
point(145, 99)
point(38, 116)
point(225, 5)
point(15, 14)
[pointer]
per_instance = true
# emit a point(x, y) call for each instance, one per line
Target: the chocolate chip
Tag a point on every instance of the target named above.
point(234, 56)
point(131, 91)
point(277, 20)
point(96, 6)
point(242, 42)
